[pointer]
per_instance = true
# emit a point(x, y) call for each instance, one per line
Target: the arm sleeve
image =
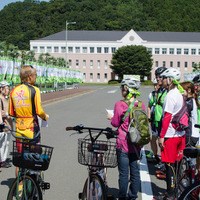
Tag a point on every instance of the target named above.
point(165, 124)
point(40, 112)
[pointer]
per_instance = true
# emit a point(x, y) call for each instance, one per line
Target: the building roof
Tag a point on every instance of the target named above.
point(118, 35)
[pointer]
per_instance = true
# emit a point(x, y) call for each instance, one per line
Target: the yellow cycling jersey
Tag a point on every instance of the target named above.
point(25, 105)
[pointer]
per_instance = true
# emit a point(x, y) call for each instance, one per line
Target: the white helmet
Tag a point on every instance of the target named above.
point(3, 84)
point(172, 73)
point(131, 82)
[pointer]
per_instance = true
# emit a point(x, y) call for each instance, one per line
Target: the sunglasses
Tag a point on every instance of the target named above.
point(159, 77)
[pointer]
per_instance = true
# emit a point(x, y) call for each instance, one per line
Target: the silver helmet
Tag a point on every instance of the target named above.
point(131, 82)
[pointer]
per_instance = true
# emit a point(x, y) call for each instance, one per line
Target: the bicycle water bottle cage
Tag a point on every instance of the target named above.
point(191, 152)
point(100, 148)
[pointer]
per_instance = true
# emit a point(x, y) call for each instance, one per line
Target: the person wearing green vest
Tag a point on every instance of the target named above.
point(156, 121)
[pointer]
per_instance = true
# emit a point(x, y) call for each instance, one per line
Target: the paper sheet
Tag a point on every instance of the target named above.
point(110, 111)
point(42, 123)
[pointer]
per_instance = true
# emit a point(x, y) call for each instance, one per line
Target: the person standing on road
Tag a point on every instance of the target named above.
point(171, 141)
point(126, 153)
point(25, 104)
point(1, 137)
point(7, 120)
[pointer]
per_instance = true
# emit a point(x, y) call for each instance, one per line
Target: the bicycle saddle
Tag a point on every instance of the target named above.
point(191, 152)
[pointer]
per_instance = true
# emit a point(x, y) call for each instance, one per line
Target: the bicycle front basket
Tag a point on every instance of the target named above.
point(31, 156)
point(99, 154)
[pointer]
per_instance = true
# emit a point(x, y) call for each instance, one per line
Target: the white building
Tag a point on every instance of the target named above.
point(91, 51)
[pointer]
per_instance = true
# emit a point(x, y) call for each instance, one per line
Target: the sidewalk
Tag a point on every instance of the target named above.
point(48, 98)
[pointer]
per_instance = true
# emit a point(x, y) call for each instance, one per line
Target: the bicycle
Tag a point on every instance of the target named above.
point(98, 155)
point(31, 158)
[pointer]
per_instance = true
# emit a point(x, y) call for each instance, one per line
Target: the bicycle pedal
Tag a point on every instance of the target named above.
point(45, 186)
point(80, 195)
point(110, 197)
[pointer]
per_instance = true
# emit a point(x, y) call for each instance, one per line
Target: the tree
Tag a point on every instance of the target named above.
point(132, 59)
point(196, 67)
point(13, 51)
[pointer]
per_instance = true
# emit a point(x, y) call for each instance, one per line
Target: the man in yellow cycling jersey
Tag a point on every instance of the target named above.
point(25, 103)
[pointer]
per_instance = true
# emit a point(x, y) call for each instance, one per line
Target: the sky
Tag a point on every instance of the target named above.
point(6, 2)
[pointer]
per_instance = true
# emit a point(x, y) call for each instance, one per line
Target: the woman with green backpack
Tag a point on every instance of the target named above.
point(127, 154)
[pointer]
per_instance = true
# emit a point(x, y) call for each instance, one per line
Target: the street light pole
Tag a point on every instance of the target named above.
point(67, 23)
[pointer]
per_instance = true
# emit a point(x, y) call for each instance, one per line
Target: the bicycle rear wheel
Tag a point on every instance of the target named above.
point(183, 176)
point(96, 189)
point(29, 191)
point(191, 193)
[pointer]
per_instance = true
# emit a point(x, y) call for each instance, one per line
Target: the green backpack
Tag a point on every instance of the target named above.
point(139, 131)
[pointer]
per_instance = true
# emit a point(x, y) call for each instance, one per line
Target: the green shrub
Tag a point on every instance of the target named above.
point(114, 81)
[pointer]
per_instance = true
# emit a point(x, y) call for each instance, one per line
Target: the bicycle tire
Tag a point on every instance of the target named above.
point(183, 180)
point(31, 189)
point(96, 182)
point(192, 192)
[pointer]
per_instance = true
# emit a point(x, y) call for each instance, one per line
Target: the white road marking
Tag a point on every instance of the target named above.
point(112, 91)
point(146, 189)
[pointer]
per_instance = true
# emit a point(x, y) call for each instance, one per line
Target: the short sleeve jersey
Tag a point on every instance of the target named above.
point(25, 105)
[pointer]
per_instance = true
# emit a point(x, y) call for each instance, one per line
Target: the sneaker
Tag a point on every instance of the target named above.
point(5, 165)
point(150, 155)
point(160, 165)
point(164, 197)
point(160, 172)
point(161, 176)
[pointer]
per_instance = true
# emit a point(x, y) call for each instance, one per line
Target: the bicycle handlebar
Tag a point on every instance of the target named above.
point(107, 131)
point(2, 126)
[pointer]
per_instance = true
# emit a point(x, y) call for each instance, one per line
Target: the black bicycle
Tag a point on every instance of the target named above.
point(97, 155)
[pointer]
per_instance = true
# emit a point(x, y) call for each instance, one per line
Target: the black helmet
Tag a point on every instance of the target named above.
point(160, 70)
point(196, 79)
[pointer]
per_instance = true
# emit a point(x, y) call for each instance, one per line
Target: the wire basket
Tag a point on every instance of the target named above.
point(31, 156)
point(100, 154)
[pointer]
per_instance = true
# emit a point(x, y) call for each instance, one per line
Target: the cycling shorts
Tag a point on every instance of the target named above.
point(173, 149)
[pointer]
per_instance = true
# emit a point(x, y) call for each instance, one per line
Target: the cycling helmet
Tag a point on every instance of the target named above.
point(4, 84)
point(131, 82)
point(196, 79)
point(172, 73)
point(160, 70)
point(33, 157)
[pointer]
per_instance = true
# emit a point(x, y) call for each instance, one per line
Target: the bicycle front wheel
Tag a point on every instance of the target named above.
point(28, 189)
point(191, 193)
point(95, 190)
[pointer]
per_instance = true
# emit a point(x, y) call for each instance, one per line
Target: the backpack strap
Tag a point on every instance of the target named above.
point(128, 111)
point(2, 107)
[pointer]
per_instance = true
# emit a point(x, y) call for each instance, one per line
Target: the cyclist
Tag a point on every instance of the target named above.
point(25, 105)
point(7, 120)
point(126, 153)
point(171, 141)
point(1, 137)
point(157, 121)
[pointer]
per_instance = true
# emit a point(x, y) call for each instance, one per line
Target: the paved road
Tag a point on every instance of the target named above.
point(65, 174)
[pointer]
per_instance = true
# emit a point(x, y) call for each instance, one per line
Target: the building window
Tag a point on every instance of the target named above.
point(164, 64)
point(98, 64)
point(63, 49)
point(91, 63)
point(186, 51)
point(199, 51)
point(171, 51)
point(77, 63)
point(41, 49)
point(164, 50)
point(70, 63)
point(77, 49)
point(156, 64)
point(49, 49)
point(84, 76)
point(157, 51)
point(98, 76)
point(193, 64)
point(186, 64)
point(84, 63)
point(193, 51)
point(70, 49)
point(84, 49)
point(105, 76)
point(56, 49)
point(106, 64)
point(91, 49)
point(150, 50)
point(178, 64)
point(35, 48)
point(171, 63)
point(178, 51)
point(98, 49)
point(113, 49)
point(91, 77)
point(106, 50)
